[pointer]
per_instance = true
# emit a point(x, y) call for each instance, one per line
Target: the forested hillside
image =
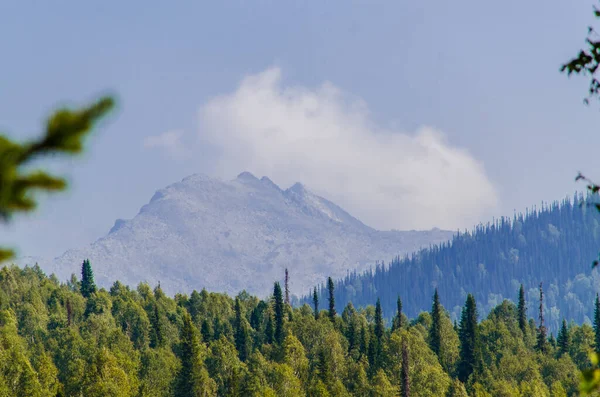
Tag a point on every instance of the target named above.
point(73, 339)
point(555, 244)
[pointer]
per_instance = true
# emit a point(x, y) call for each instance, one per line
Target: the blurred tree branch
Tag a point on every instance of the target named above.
point(64, 135)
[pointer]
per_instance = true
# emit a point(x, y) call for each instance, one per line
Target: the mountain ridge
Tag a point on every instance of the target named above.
point(227, 236)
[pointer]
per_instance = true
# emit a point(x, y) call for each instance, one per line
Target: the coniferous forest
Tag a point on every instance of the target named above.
point(555, 244)
point(75, 339)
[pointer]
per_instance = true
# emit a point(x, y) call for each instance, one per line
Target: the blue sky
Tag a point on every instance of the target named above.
point(485, 75)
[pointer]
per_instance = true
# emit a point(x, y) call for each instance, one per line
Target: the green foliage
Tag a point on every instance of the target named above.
point(110, 347)
point(64, 134)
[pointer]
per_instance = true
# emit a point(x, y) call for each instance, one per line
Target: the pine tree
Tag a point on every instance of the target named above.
point(597, 325)
point(88, 287)
point(522, 311)
point(279, 313)
point(404, 372)
point(379, 328)
point(435, 331)
point(316, 303)
point(193, 379)
point(287, 287)
point(330, 288)
point(241, 333)
point(469, 340)
point(398, 320)
point(564, 339)
point(542, 332)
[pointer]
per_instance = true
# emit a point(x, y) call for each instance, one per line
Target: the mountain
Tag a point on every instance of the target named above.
point(554, 245)
point(233, 235)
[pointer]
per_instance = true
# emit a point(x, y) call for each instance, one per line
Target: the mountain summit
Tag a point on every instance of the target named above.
point(228, 236)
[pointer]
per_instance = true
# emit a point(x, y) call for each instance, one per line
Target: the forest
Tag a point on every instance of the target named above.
point(554, 244)
point(75, 339)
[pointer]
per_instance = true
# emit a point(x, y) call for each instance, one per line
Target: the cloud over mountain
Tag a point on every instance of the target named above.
point(326, 138)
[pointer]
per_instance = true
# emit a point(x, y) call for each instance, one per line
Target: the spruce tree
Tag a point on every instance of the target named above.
point(364, 342)
point(372, 351)
point(193, 379)
point(379, 328)
point(316, 303)
point(241, 333)
point(269, 328)
point(469, 340)
point(206, 330)
point(88, 287)
point(435, 331)
point(522, 311)
point(404, 372)
point(542, 332)
point(157, 331)
point(597, 325)
point(564, 339)
point(330, 289)
point(351, 334)
point(279, 313)
point(398, 320)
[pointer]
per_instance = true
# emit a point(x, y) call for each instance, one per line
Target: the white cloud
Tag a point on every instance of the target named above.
point(325, 139)
point(170, 141)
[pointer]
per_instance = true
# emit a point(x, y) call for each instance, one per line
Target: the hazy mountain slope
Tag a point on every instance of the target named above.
point(229, 236)
point(554, 245)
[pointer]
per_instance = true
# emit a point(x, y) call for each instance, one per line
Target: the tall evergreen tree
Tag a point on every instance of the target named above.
point(372, 351)
point(193, 379)
point(88, 287)
point(364, 342)
point(242, 340)
point(404, 372)
point(330, 289)
point(542, 338)
point(522, 311)
point(435, 331)
point(597, 325)
point(279, 313)
point(379, 328)
point(269, 328)
point(469, 340)
point(398, 320)
point(564, 339)
point(157, 331)
point(287, 287)
point(206, 330)
point(316, 303)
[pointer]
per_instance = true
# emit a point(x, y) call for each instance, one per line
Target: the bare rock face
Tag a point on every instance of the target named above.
point(228, 236)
